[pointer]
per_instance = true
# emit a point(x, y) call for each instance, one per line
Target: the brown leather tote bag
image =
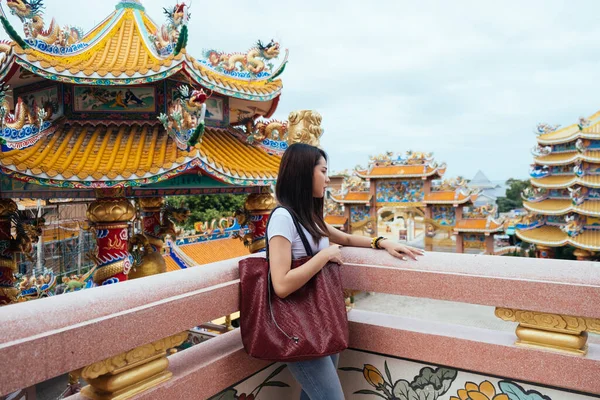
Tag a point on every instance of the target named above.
point(309, 323)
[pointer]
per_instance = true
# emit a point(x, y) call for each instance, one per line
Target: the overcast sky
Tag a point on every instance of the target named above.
point(466, 80)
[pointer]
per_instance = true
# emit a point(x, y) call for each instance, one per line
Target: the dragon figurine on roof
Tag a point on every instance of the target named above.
point(168, 35)
point(255, 61)
point(30, 12)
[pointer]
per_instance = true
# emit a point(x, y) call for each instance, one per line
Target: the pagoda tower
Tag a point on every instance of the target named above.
point(564, 203)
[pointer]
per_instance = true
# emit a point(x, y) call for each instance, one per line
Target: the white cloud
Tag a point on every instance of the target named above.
point(467, 80)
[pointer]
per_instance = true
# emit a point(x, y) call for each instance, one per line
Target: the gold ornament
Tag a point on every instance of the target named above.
point(130, 373)
point(152, 203)
point(260, 203)
point(111, 210)
point(107, 271)
point(563, 333)
point(305, 127)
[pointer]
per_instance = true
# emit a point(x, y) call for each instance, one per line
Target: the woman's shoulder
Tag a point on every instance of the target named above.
point(282, 213)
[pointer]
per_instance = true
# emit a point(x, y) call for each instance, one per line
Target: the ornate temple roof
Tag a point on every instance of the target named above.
point(553, 236)
point(568, 158)
point(586, 128)
point(562, 207)
point(88, 155)
point(128, 48)
point(565, 181)
point(215, 250)
point(352, 198)
point(410, 165)
point(336, 220)
point(479, 225)
point(403, 171)
point(449, 197)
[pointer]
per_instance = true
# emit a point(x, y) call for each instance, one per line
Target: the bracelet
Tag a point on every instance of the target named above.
point(375, 242)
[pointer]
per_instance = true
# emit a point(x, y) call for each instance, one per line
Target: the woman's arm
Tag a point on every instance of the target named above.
point(395, 249)
point(287, 280)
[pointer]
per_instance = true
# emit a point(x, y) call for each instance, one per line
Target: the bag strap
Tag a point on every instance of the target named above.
point(303, 238)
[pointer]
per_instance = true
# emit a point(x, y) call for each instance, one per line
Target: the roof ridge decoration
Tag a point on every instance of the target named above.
point(534, 194)
point(486, 211)
point(26, 125)
point(185, 118)
point(574, 225)
point(452, 184)
point(411, 158)
point(256, 63)
point(172, 37)
point(52, 39)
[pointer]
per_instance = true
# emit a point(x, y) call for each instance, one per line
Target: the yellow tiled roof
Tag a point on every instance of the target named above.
point(120, 48)
point(478, 225)
point(446, 197)
point(335, 220)
point(573, 132)
point(544, 235)
point(556, 182)
point(561, 207)
point(553, 236)
point(121, 51)
point(588, 240)
point(215, 250)
point(225, 152)
point(171, 264)
point(81, 151)
point(568, 158)
point(549, 207)
point(353, 197)
point(398, 171)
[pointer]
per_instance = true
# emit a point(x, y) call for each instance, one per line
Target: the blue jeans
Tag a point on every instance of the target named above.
point(318, 378)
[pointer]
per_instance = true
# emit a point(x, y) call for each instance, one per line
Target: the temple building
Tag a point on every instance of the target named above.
point(563, 204)
point(123, 116)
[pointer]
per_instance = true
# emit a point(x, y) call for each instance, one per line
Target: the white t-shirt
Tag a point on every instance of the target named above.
point(282, 224)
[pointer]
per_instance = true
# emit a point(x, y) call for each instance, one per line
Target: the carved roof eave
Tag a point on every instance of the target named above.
point(437, 171)
point(569, 181)
point(138, 78)
point(568, 158)
point(565, 207)
point(498, 226)
point(343, 201)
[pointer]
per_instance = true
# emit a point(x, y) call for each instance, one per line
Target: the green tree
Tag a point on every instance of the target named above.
point(208, 207)
point(513, 198)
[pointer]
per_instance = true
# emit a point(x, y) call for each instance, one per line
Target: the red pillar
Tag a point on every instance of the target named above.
point(373, 209)
point(259, 207)
point(347, 215)
point(8, 265)
point(489, 245)
point(111, 217)
point(460, 247)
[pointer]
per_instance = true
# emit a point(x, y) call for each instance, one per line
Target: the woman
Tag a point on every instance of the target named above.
point(301, 187)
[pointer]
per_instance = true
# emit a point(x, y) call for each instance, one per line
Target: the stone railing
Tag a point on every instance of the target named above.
point(118, 337)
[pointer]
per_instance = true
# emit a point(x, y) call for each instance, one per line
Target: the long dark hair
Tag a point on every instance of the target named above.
point(294, 189)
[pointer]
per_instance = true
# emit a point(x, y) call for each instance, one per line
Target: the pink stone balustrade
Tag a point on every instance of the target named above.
point(46, 338)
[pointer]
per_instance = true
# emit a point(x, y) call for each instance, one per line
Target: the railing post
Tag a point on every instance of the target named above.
point(123, 376)
point(562, 333)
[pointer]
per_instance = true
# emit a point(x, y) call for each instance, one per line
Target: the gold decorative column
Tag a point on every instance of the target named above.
point(110, 217)
point(8, 263)
point(562, 333)
point(259, 207)
point(128, 374)
point(147, 248)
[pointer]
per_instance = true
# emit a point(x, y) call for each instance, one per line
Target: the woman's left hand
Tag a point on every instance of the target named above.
point(400, 250)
